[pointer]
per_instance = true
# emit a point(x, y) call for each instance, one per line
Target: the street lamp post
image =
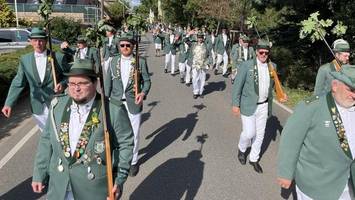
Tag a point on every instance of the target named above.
point(16, 13)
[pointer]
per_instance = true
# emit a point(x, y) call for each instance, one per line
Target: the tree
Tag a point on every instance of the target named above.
point(7, 16)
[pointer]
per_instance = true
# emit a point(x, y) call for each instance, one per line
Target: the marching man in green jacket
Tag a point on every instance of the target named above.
point(222, 48)
point(324, 79)
point(119, 86)
point(71, 149)
point(317, 144)
point(252, 99)
point(82, 51)
point(35, 70)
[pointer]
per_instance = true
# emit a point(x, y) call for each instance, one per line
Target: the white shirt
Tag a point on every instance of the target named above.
point(171, 38)
point(78, 116)
point(83, 53)
point(110, 40)
point(264, 80)
point(41, 64)
point(224, 36)
point(212, 38)
point(245, 51)
point(125, 71)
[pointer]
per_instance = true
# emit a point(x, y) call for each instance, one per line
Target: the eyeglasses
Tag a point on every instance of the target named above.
point(125, 45)
point(80, 84)
point(263, 52)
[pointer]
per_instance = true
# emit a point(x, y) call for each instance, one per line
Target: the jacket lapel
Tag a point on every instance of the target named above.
point(256, 78)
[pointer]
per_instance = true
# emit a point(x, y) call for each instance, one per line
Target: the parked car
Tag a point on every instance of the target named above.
point(17, 38)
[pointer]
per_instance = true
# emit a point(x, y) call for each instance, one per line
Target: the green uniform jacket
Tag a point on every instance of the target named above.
point(237, 55)
point(182, 51)
point(110, 51)
point(324, 79)
point(75, 172)
point(219, 45)
point(40, 93)
point(245, 93)
point(158, 38)
point(114, 87)
point(310, 152)
point(169, 47)
point(91, 54)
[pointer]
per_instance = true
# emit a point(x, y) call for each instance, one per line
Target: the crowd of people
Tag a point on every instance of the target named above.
point(70, 101)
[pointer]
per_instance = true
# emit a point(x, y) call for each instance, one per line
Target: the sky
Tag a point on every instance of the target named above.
point(135, 2)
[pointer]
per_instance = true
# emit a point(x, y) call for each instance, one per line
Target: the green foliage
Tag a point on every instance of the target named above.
point(45, 9)
point(314, 27)
point(136, 22)
point(7, 16)
point(64, 29)
point(97, 33)
point(295, 96)
point(339, 29)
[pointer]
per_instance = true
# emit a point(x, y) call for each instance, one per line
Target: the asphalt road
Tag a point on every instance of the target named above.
point(188, 147)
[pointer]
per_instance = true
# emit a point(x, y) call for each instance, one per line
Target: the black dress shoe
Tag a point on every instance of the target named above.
point(133, 171)
point(182, 80)
point(215, 71)
point(165, 70)
point(195, 96)
point(257, 167)
point(188, 84)
point(242, 157)
point(225, 75)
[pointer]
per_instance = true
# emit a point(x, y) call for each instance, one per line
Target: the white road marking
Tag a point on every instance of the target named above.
point(283, 106)
point(18, 146)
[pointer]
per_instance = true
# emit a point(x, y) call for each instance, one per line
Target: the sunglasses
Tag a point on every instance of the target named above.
point(125, 45)
point(263, 52)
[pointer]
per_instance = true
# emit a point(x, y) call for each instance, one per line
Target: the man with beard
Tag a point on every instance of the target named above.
point(317, 143)
point(119, 86)
point(71, 149)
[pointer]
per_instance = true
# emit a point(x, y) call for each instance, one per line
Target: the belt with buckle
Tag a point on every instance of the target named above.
point(262, 102)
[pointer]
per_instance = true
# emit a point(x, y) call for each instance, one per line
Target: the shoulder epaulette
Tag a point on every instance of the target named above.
point(311, 99)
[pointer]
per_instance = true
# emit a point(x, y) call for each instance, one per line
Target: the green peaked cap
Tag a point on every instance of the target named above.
point(341, 45)
point(82, 67)
point(37, 33)
point(346, 75)
point(263, 44)
point(129, 37)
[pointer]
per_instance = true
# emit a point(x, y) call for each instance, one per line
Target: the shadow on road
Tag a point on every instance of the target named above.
point(20, 112)
point(146, 115)
point(22, 191)
point(273, 126)
point(214, 86)
point(168, 133)
point(173, 179)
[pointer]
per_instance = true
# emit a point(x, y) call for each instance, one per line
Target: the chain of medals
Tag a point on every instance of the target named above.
point(91, 123)
point(118, 69)
point(339, 126)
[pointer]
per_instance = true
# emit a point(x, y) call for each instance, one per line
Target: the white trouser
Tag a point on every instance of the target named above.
point(213, 57)
point(223, 57)
point(188, 73)
point(234, 73)
point(69, 196)
point(346, 195)
point(170, 58)
point(198, 80)
point(41, 119)
point(106, 66)
point(182, 68)
point(253, 131)
point(135, 123)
